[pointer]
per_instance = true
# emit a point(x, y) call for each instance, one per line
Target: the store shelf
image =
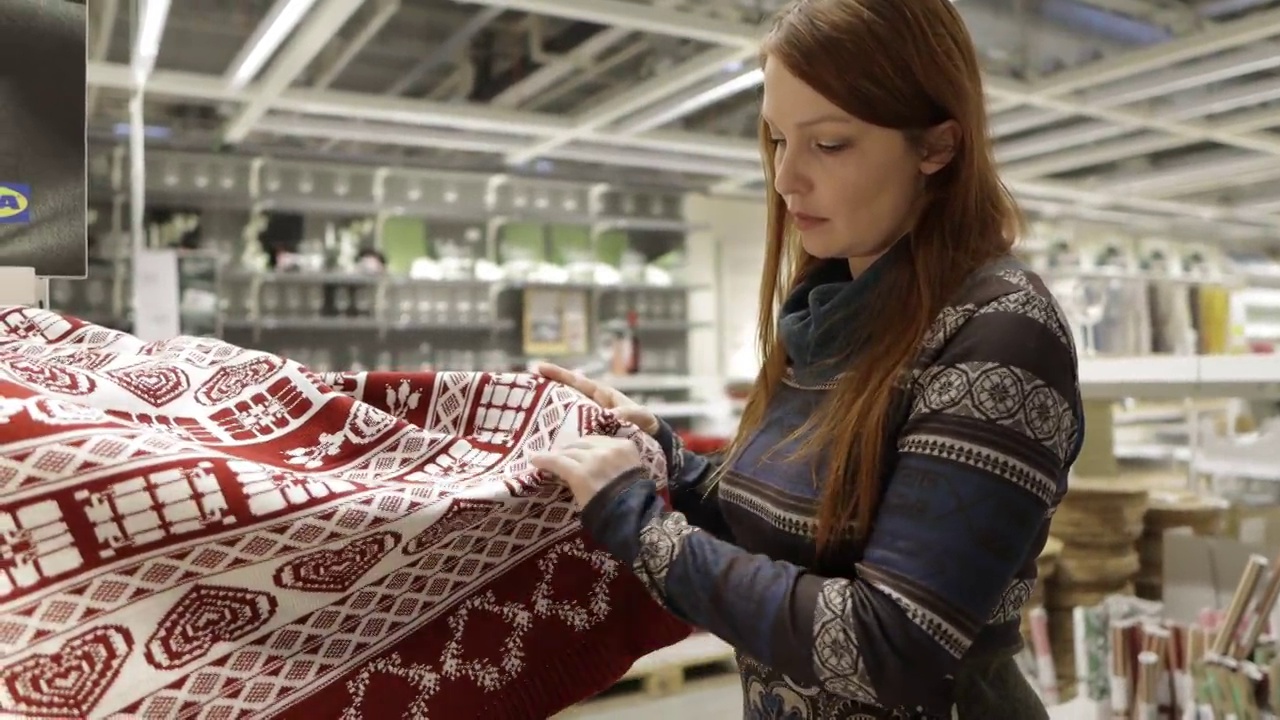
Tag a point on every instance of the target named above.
point(1155, 452)
point(1263, 469)
point(1155, 376)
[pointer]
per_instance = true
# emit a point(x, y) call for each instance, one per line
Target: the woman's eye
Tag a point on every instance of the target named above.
point(831, 147)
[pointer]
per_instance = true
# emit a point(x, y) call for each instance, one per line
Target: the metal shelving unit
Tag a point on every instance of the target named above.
point(335, 318)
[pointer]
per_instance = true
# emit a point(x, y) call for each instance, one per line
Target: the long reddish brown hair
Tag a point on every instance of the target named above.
point(907, 65)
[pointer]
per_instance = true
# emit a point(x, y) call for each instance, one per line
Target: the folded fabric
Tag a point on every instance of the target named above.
point(193, 529)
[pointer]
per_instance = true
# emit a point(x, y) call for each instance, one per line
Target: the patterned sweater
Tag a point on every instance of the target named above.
point(922, 620)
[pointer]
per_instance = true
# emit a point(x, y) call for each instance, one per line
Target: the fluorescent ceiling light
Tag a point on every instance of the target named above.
point(692, 104)
point(284, 16)
point(146, 45)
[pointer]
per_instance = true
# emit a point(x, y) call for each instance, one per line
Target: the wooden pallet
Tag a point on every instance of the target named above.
point(664, 672)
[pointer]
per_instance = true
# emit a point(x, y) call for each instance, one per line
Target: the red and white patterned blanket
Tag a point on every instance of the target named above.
point(192, 529)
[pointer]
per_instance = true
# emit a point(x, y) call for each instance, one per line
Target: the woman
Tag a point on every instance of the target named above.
point(870, 539)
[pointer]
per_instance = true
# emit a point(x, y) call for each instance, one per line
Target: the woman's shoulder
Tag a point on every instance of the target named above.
point(1001, 301)
point(1002, 277)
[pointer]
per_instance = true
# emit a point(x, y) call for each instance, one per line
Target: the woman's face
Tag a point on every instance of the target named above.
point(850, 187)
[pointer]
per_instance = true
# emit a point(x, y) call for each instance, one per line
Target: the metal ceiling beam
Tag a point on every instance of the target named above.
point(171, 83)
point(1203, 171)
point(1120, 148)
point(705, 65)
point(662, 21)
point(415, 113)
point(547, 76)
point(317, 30)
point(628, 54)
point(1269, 206)
point(639, 17)
point(447, 52)
point(373, 24)
point(672, 160)
point(405, 111)
point(1196, 132)
point(743, 153)
point(1094, 199)
point(1064, 150)
point(1215, 39)
point(1149, 87)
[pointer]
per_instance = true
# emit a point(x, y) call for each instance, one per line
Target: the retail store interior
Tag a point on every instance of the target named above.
point(417, 185)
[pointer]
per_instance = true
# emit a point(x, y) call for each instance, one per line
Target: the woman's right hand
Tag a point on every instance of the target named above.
point(603, 395)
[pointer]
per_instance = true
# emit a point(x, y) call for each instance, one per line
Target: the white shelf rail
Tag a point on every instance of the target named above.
point(1169, 376)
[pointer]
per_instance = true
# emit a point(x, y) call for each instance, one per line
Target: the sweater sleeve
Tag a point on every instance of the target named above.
point(982, 460)
point(689, 482)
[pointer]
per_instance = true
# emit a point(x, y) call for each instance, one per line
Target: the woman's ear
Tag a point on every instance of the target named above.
point(938, 146)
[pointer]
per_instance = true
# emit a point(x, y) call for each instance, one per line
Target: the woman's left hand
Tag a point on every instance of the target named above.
point(587, 465)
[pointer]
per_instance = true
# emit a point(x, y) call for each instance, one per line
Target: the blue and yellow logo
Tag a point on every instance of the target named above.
point(15, 203)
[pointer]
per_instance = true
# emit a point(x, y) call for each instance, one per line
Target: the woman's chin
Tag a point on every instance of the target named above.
point(817, 247)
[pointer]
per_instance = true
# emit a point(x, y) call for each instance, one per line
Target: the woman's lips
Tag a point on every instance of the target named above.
point(805, 222)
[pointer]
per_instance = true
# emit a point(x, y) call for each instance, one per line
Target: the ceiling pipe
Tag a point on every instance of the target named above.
point(455, 46)
point(536, 43)
point(627, 54)
point(548, 77)
point(458, 85)
point(1221, 8)
point(1104, 23)
point(386, 9)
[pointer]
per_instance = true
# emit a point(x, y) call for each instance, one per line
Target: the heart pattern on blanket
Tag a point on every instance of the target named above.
point(204, 617)
point(61, 379)
point(153, 384)
point(69, 682)
point(336, 570)
point(277, 543)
